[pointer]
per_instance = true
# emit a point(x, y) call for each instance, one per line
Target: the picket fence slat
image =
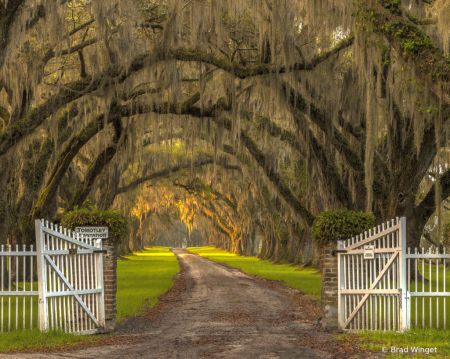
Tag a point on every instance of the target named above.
point(18, 254)
point(445, 314)
point(20, 293)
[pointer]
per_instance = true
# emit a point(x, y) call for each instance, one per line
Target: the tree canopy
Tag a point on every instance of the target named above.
point(242, 119)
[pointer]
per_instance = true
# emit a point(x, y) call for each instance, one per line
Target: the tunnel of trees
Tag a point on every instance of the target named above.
point(225, 122)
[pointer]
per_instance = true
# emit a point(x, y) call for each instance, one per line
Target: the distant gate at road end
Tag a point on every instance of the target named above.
point(93, 232)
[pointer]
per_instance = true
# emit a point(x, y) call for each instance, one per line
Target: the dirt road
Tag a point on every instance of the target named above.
point(223, 314)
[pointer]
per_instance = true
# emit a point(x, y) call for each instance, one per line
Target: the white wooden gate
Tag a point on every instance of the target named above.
point(371, 291)
point(70, 280)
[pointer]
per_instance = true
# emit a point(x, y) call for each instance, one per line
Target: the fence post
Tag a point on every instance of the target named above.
point(110, 283)
point(405, 318)
point(100, 284)
point(42, 279)
point(341, 285)
point(329, 288)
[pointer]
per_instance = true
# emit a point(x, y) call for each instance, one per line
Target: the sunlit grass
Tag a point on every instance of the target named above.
point(304, 279)
point(142, 278)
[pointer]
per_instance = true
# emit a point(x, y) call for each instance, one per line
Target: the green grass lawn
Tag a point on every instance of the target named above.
point(300, 278)
point(142, 278)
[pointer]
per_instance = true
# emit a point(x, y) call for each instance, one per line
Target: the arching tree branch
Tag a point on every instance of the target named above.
point(429, 62)
point(243, 72)
point(102, 160)
point(66, 156)
point(331, 176)
point(51, 52)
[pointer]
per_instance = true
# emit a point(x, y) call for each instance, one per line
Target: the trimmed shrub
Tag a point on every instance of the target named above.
point(117, 223)
point(340, 225)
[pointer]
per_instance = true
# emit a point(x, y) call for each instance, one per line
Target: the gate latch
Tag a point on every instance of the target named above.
point(334, 251)
point(72, 251)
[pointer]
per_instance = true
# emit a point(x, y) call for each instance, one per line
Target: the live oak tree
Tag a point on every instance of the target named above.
point(252, 116)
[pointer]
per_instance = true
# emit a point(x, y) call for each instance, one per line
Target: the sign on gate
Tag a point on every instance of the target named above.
point(99, 232)
point(369, 252)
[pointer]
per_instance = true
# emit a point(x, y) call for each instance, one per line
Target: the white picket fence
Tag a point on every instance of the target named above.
point(431, 308)
point(379, 293)
point(70, 291)
point(13, 288)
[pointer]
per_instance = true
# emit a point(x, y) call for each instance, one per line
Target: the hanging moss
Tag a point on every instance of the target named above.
point(446, 235)
point(34, 170)
point(42, 162)
point(331, 226)
point(283, 232)
point(201, 187)
point(2, 208)
point(92, 216)
point(429, 60)
point(270, 205)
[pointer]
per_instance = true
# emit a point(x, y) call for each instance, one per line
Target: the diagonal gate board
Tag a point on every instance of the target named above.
point(374, 284)
point(69, 286)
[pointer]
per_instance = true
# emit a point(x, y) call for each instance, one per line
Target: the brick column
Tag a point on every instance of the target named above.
point(329, 288)
point(110, 283)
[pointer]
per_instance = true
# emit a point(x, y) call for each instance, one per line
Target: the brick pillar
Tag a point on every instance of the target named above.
point(329, 288)
point(110, 283)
